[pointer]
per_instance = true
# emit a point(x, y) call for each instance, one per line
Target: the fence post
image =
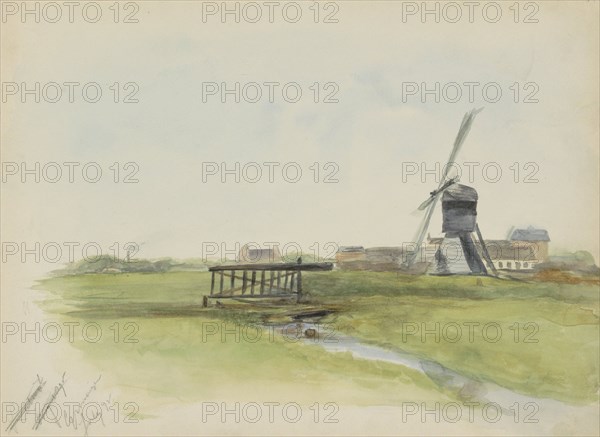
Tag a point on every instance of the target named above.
point(299, 280)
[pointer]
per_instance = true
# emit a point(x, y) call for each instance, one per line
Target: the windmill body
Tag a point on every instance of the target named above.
point(459, 213)
point(459, 209)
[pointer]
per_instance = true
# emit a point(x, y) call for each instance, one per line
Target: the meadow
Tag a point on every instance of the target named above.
point(539, 339)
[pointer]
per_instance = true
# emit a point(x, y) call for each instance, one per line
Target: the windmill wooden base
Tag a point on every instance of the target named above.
point(472, 243)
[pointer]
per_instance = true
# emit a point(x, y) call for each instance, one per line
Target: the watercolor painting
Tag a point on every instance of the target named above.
point(300, 218)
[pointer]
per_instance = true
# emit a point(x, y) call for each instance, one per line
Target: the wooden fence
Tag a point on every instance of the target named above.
point(260, 280)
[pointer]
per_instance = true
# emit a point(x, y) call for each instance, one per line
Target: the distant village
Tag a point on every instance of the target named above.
point(523, 250)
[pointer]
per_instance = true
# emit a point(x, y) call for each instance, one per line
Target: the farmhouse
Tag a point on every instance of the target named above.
point(506, 255)
point(250, 254)
point(538, 238)
point(372, 258)
point(523, 251)
point(350, 253)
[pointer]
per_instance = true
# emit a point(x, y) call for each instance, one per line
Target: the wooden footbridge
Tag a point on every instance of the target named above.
point(251, 281)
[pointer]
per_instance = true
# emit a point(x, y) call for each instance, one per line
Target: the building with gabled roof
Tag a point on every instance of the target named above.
point(249, 254)
point(530, 234)
point(535, 238)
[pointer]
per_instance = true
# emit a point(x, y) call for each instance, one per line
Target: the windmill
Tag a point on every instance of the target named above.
point(459, 211)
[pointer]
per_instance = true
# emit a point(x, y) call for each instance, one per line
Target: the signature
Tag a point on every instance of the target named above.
point(59, 410)
point(38, 385)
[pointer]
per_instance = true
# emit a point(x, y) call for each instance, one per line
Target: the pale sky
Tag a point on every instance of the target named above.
point(368, 134)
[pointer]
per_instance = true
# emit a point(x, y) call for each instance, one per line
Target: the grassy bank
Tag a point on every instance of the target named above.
point(538, 338)
point(170, 348)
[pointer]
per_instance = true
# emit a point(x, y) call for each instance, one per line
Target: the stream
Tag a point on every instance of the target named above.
point(466, 388)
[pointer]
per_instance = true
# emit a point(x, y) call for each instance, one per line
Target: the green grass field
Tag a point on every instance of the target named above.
point(539, 339)
point(536, 338)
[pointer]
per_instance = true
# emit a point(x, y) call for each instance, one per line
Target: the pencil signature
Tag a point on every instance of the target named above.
point(58, 409)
